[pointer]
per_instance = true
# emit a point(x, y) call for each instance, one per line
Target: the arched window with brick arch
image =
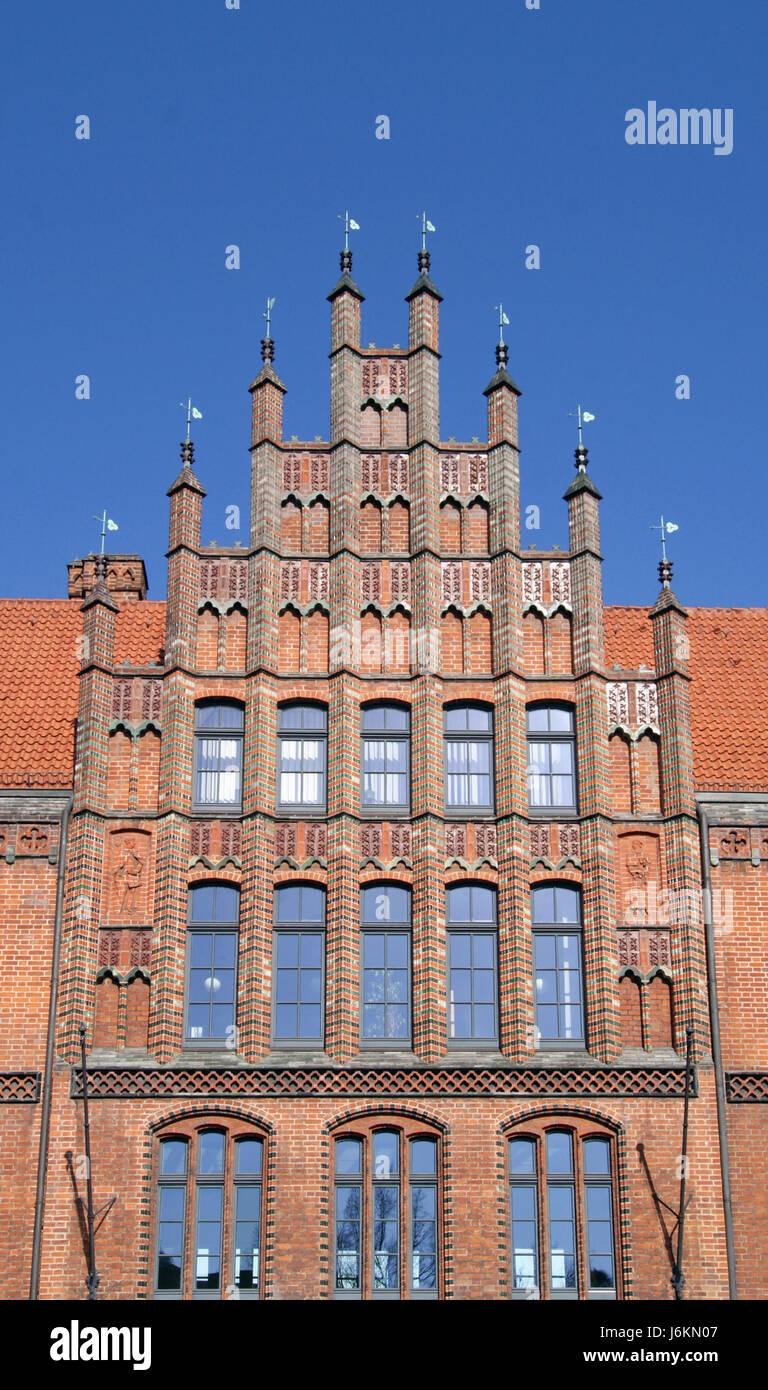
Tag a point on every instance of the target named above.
point(210, 1181)
point(563, 1209)
point(387, 1210)
point(211, 975)
point(557, 965)
point(218, 754)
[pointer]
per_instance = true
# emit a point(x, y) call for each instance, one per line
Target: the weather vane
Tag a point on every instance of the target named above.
point(107, 524)
point(267, 312)
point(503, 321)
point(666, 528)
point(426, 226)
point(192, 414)
point(584, 418)
point(350, 225)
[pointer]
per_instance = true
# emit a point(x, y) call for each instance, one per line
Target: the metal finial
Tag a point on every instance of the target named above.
point(665, 573)
point(666, 528)
point(350, 225)
point(581, 456)
point(101, 568)
point(192, 414)
point(424, 256)
point(502, 354)
point(267, 350)
point(583, 417)
point(187, 453)
point(267, 312)
point(107, 524)
point(503, 321)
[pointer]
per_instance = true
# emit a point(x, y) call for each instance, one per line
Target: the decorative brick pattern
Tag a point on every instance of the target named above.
point(398, 473)
point(560, 581)
point(647, 704)
point(400, 841)
point(539, 841)
point(455, 841)
point(532, 582)
point(285, 841)
point(485, 841)
point(745, 1087)
point(451, 581)
point(19, 1086)
point(370, 581)
point(200, 839)
point(316, 841)
point(370, 841)
point(210, 1082)
point(618, 702)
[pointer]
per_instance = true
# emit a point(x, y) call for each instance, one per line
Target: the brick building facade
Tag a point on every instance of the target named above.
point(371, 861)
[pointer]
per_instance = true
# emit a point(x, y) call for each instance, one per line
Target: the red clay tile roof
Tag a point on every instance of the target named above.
point(139, 632)
point(38, 690)
point(729, 686)
point(38, 683)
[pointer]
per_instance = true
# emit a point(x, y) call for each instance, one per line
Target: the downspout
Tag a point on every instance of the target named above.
point(717, 1056)
point(45, 1120)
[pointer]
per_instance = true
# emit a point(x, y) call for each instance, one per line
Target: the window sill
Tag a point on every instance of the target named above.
point(552, 813)
point(385, 813)
point(469, 813)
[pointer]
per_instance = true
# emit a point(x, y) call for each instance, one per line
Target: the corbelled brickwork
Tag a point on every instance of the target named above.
point(384, 572)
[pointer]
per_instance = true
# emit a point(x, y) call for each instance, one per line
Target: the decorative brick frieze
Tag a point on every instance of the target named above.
point(302, 1081)
point(746, 1087)
point(533, 589)
point(19, 1086)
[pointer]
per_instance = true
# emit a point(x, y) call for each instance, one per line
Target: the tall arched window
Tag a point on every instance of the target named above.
point(563, 1211)
point(211, 963)
point(299, 965)
point(387, 1212)
point(472, 956)
point(219, 756)
point(468, 753)
point(385, 738)
point(301, 760)
point(551, 758)
point(557, 965)
point(385, 966)
point(209, 1211)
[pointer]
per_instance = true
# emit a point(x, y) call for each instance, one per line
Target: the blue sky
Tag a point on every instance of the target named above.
point(255, 126)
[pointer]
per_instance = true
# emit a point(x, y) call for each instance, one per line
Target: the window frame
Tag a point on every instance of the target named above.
point(385, 809)
point(581, 1131)
point(368, 928)
point(472, 928)
point(551, 737)
point(300, 928)
point(467, 810)
point(559, 929)
point(408, 1131)
point(217, 732)
point(302, 810)
point(190, 1132)
point(210, 928)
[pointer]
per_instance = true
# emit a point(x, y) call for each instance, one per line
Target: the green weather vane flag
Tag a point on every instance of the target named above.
point(503, 321)
point(267, 313)
point(350, 225)
point(107, 524)
point(666, 528)
point(426, 226)
point(584, 418)
point(192, 414)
